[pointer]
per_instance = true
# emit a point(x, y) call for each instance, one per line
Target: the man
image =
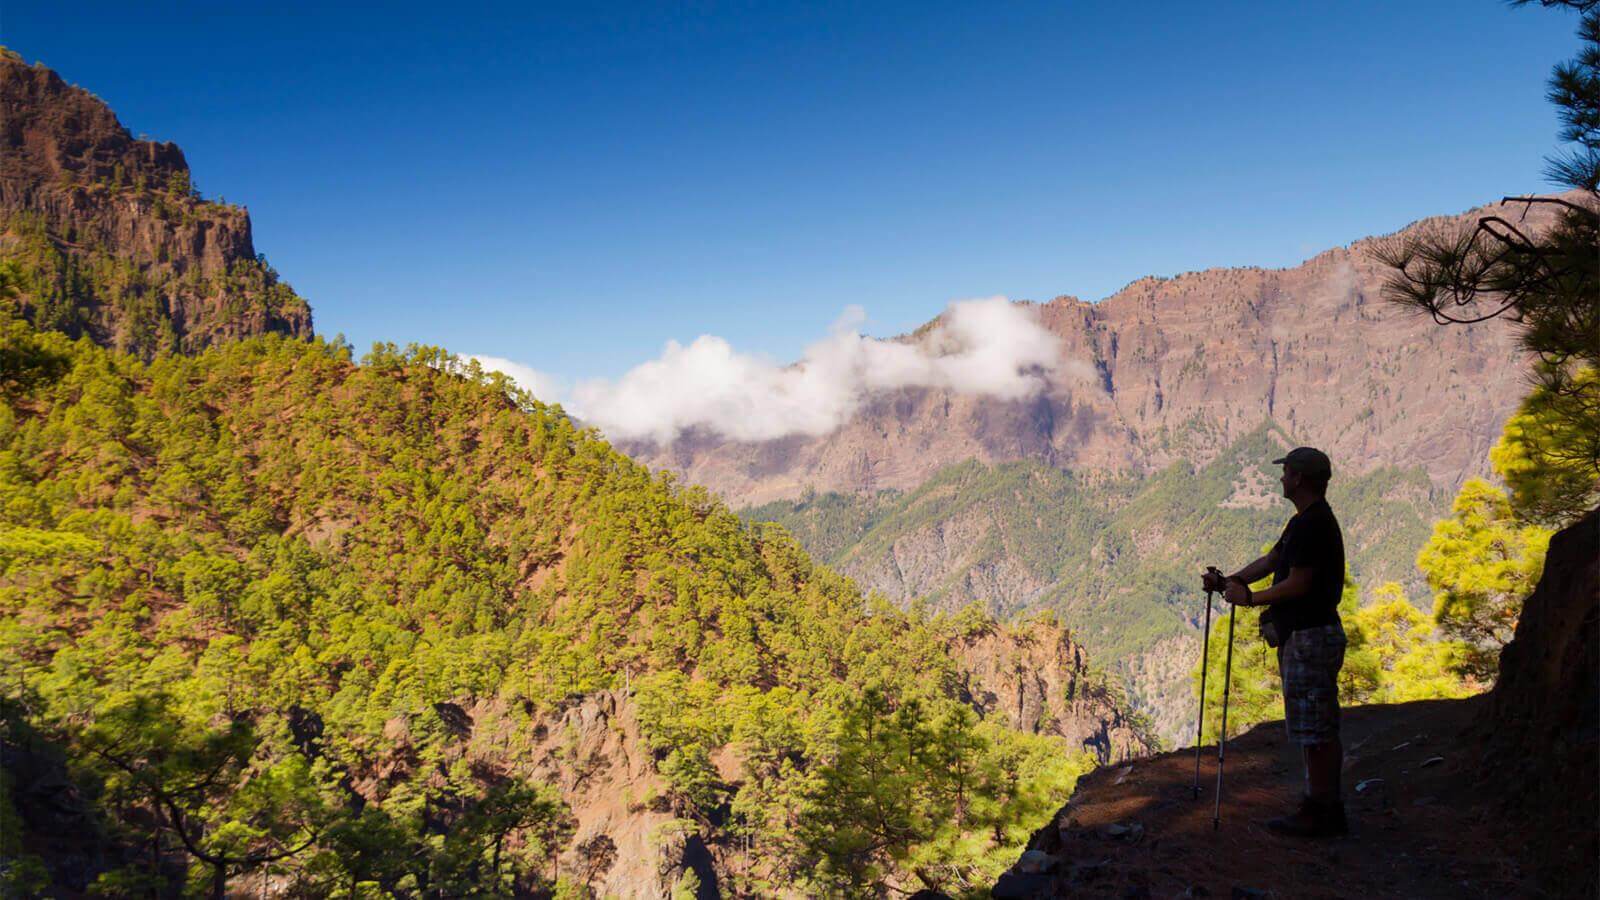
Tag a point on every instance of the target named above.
point(1301, 619)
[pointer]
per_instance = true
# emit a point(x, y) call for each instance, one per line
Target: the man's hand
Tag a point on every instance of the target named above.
point(1212, 581)
point(1237, 593)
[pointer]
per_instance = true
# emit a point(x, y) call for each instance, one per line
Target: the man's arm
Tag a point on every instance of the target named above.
point(1259, 569)
point(1298, 584)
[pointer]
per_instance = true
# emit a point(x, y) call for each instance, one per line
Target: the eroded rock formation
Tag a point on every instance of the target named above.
point(1038, 680)
point(1542, 736)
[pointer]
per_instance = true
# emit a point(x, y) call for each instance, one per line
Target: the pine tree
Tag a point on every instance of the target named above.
point(1545, 283)
point(1481, 562)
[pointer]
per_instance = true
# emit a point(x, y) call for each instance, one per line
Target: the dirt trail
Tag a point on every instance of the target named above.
point(1422, 824)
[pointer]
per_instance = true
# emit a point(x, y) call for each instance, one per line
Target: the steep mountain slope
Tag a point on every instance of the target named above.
point(109, 237)
point(1183, 368)
point(393, 627)
point(430, 595)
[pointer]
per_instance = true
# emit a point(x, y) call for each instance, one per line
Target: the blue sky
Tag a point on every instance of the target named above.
point(570, 186)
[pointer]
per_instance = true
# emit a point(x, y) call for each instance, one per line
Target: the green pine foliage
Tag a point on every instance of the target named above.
point(253, 592)
point(930, 791)
point(1549, 454)
point(1482, 562)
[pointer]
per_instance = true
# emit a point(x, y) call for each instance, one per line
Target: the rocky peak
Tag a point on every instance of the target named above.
point(107, 236)
point(56, 132)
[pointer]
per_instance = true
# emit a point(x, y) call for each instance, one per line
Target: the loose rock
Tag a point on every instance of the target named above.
point(1035, 861)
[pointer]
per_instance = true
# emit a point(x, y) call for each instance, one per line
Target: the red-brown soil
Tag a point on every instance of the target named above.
point(1417, 828)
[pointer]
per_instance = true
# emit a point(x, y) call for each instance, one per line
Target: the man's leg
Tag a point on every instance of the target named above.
point(1324, 763)
point(1310, 663)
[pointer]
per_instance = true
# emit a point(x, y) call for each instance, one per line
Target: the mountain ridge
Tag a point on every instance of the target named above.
point(1184, 365)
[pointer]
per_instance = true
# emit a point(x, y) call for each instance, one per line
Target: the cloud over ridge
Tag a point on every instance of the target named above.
point(987, 346)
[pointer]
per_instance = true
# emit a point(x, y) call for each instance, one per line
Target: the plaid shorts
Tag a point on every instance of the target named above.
point(1310, 661)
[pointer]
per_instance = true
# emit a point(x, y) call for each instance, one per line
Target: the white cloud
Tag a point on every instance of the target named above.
point(544, 387)
point(989, 346)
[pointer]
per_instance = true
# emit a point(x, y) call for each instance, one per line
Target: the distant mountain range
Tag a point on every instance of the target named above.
point(1183, 368)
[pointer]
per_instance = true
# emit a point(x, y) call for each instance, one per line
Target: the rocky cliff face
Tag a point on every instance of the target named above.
point(624, 843)
point(109, 238)
point(1041, 682)
point(1182, 368)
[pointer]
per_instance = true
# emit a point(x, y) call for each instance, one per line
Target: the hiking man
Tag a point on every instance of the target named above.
point(1301, 620)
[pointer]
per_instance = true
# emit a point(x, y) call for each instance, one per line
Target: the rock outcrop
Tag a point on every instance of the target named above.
point(625, 840)
point(1419, 822)
point(1542, 734)
point(110, 239)
point(1038, 680)
point(626, 843)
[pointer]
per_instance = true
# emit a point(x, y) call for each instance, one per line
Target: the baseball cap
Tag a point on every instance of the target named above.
point(1307, 460)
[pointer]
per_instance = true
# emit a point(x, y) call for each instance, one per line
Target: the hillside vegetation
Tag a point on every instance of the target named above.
point(1119, 559)
point(285, 615)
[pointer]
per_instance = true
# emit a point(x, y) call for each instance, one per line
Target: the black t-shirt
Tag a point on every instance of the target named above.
point(1311, 540)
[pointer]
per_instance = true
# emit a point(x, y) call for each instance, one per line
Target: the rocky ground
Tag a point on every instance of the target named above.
point(1494, 796)
point(1419, 824)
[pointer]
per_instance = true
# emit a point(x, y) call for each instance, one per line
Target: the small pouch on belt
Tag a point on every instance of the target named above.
point(1269, 629)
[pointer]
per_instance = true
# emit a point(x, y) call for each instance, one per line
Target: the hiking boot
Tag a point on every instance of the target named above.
point(1333, 820)
point(1311, 820)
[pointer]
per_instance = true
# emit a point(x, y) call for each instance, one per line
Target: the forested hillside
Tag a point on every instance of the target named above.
point(396, 626)
point(1116, 558)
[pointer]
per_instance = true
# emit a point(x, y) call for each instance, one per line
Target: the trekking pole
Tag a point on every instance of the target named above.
point(1222, 736)
point(1205, 660)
